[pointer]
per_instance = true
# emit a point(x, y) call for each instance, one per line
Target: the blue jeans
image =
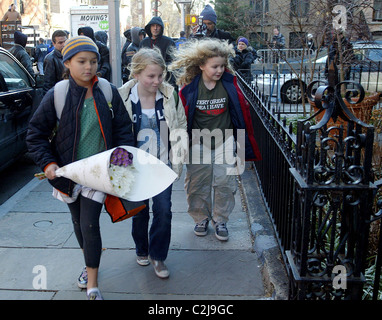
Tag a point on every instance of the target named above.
point(157, 242)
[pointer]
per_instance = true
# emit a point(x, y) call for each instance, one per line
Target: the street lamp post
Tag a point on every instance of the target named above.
point(115, 42)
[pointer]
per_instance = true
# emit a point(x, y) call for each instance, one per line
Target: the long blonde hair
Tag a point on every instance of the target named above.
point(194, 53)
point(143, 58)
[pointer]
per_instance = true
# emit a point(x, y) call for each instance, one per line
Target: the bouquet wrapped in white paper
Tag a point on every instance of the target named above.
point(125, 172)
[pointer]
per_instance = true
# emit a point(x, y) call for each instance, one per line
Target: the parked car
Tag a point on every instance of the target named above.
point(284, 74)
point(366, 69)
point(19, 97)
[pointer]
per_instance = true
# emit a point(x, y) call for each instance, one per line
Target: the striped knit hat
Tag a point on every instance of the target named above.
point(77, 44)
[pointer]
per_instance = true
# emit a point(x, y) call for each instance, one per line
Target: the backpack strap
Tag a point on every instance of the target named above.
point(105, 86)
point(61, 89)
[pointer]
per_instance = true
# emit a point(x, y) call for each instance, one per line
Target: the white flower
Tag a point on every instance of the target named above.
point(121, 171)
point(121, 179)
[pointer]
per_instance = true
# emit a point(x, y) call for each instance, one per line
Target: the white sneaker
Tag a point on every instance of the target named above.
point(160, 269)
point(143, 260)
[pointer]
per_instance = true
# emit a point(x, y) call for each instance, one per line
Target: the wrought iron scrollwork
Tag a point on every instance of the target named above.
point(328, 98)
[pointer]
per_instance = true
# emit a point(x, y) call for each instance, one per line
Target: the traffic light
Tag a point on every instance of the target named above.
point(191, 19)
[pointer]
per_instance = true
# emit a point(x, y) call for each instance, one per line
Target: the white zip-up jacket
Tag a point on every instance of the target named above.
point(174, 116)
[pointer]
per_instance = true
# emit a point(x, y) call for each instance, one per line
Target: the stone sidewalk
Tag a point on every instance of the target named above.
point(40, 257)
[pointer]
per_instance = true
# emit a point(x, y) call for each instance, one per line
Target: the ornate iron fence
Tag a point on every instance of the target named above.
point(319, 189)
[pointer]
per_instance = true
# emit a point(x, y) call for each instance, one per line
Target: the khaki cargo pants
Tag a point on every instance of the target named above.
point(211, 185)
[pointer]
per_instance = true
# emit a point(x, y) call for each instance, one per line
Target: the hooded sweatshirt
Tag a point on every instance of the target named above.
point(132, 48)
point(162, 42)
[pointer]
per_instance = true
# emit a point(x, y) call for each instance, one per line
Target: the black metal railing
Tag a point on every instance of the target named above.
point(319, 191)
point(285, 85)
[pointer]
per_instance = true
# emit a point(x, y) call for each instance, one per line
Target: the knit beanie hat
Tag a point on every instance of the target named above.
point(243, 40)
point(20, 38)
point(78, 44)
point(209, 13)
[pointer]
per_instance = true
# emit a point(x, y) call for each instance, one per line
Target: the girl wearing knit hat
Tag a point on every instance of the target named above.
point(88, 125)
point(244, 57)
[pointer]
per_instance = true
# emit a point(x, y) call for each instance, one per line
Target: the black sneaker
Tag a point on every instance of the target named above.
point(221, 231)
point(201, 228)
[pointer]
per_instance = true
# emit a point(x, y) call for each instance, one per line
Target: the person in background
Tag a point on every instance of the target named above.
point(104, 67)
point(154, 30)
point(101, 36)
point(53, 65)
point(18, 50)
point(278, 40)
point(182, 39)
point(12, 14)
point(155, 38)
point(209, 20)
point(40, 54)
point(243, 58)
point(137, 34)
point(310, 43)
point(125, 73)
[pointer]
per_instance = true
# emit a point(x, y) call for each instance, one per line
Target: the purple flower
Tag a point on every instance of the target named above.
point(121, 157)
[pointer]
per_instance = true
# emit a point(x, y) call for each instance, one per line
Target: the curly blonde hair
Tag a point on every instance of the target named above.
point(195, 53)
point(143, 57)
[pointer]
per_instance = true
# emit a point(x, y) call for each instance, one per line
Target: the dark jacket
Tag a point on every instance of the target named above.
point(222, 35)
point(41, 52)
point(243, 59)
point(278, 42)
point(101, 36)
point(162, 42)
point(53, 69)
point(20, 54)
point(238, 108)
point(130, 51)
point(104, 67)
point(116, 128)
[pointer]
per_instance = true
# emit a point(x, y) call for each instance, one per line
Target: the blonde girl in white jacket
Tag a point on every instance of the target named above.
point(160, 127)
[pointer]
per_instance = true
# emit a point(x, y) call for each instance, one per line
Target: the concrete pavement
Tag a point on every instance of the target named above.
point(40, 257)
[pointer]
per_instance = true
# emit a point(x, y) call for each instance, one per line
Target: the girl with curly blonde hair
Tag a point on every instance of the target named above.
point(194, 53)
point(216, 110)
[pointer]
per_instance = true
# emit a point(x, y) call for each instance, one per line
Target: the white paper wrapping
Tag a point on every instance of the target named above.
point(151, 175)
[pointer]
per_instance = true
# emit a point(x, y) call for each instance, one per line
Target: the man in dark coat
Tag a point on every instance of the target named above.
point(154, 30)
point(18, 50)
point(53, 65)
point(209, 20)
point(104, 67)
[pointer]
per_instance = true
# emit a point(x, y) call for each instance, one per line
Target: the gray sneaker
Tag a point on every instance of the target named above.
point(221, 231)
point(201, 228)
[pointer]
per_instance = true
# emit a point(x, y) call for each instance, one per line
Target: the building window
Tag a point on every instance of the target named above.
point(299, 8)
point(377, 13)
point(261, 7)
